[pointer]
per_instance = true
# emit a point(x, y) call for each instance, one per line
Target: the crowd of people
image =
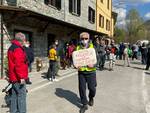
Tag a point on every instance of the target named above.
point(122, 51)
point(21, 57)
point(109, 52)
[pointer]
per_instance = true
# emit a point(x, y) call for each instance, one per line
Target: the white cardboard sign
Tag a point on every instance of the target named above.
point(84, 57)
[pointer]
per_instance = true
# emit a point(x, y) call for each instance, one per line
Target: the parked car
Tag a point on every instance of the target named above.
point(140, 42)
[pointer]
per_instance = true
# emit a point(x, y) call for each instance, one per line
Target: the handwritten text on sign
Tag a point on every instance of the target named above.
point(84, 57)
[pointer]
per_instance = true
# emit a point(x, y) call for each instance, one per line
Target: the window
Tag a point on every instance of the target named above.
point(91, 16)
point(101, 21)
point(108, 2)
point(55, 3)
point(107, 25)
point(101, 1)
point(75, 7)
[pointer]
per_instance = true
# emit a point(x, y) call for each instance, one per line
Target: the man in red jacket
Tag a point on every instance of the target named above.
point(18, 73)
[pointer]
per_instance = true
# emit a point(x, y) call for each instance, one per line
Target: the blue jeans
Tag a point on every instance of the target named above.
point(18, 98)
point(30, 67)
point(101, 61)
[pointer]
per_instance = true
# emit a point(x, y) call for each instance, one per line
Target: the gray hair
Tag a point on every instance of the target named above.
point(20, 37)
point(84, 34)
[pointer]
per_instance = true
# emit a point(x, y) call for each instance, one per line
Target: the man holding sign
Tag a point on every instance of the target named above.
point(84, 59)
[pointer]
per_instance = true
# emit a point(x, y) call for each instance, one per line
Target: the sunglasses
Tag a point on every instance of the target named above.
point(84, 38)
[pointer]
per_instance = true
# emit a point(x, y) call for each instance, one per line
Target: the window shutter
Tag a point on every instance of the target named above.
point(70, 6)
point(89, 14)
point(58, 4)
point(93, 18)
point(79, 7)
point(46, 2)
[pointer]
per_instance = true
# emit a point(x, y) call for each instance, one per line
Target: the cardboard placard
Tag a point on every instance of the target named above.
point(84, 57)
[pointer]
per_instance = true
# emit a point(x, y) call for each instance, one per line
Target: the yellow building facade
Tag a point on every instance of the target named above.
point(105, 18)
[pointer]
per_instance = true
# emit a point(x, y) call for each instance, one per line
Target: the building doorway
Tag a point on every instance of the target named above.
point(50, 40)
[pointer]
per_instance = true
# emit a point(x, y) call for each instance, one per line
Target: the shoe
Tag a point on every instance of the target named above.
point(48, 79)
point(110, 69)
point(100, 69)
point(83, 108)
point(91, 102)
point(56, 80)
point(28, 81)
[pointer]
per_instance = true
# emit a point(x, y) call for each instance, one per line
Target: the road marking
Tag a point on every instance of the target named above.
point(37, 88)
point(44, 85)
point(145, 94)
point(33, 78)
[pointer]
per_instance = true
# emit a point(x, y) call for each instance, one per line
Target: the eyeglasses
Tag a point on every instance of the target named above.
point(84, 38)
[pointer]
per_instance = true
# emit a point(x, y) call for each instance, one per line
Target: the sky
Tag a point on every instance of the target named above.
point(123, 6)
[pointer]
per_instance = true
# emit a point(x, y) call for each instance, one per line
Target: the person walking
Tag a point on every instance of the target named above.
point(30, 58)
point(18, 73)
point(70, 50)
point(148, 58)
point(126, 54)
point(144, 53)
point(121, 50)
point(107, 49)
point(101, 54)
point(112, 56)
point(58, 51)
point(135, 51)
point(97, 46)
point(52, 63)
point(63, 59)
point(86, 75)
point(30, 55)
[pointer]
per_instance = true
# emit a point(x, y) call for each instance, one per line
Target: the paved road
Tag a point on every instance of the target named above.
point(124, 90)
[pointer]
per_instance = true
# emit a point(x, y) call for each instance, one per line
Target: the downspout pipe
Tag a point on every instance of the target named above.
point(111, 21)
point(2, 44)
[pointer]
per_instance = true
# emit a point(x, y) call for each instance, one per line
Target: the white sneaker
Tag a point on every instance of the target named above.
point(56, 80)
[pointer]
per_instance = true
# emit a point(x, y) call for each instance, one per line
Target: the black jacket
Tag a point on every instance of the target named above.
point(30, 54)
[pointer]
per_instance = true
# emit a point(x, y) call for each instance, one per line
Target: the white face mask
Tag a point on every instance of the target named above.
point(56, 43)
point(26, 45)
point(84, 42)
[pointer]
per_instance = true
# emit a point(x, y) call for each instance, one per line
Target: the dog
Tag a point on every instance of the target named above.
point(39, 64)
point(64, 63)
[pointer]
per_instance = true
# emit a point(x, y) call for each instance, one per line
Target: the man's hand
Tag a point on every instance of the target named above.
point(90, 65)
point(78, 67)
point(22, 81)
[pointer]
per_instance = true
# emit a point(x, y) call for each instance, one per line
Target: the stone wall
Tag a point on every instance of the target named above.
point(6, 44)
point(63, 14)
point(81, 20)
point(39, 7)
